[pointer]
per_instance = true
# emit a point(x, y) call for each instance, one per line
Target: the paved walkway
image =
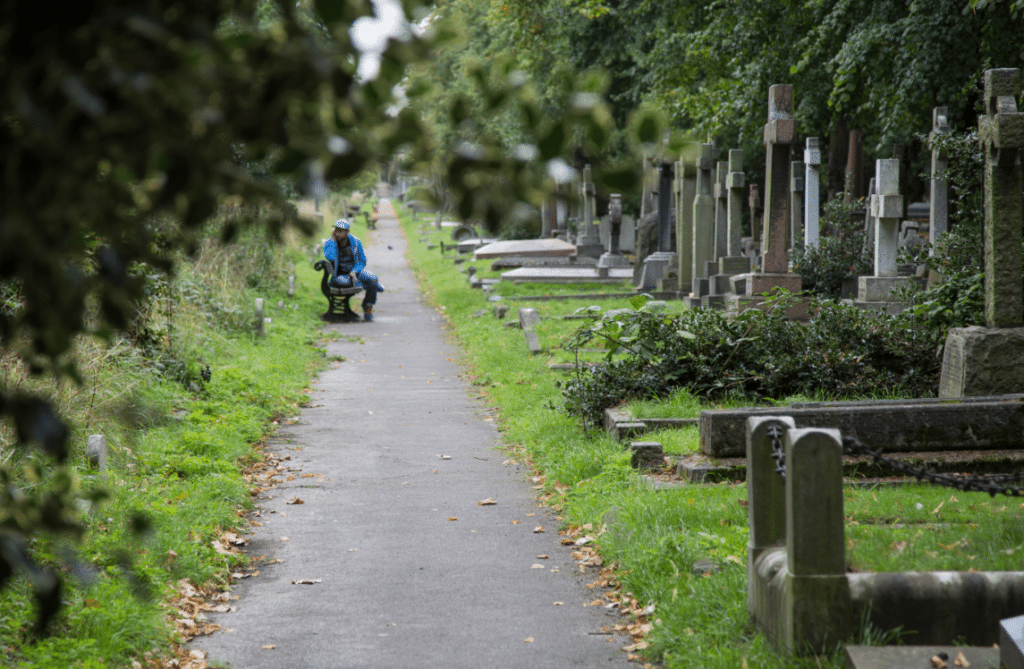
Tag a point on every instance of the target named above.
point(404, 584)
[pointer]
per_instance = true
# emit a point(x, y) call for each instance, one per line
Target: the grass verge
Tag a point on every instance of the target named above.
point(678, 555)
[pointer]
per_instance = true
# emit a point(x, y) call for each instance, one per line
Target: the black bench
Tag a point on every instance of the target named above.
point(337, 297)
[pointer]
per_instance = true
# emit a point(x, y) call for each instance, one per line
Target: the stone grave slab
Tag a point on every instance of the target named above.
point(472, 244)
point(568, 275)
point(525, 247)
point(1011, 642)
point(919, 657)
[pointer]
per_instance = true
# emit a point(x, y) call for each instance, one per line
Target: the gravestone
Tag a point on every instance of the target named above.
point(869, 221)
point(703, 220)
point(886, 211)
point(512, 248)
point(721, 192)
point(812, 191)
point(938, 217)
point(735, 263)
point(796, 203)
point(96, 452)
point(657, 266)
point(686, 190)
point(613, 258)
point(754, 202)
point(735, 181)
point(588, 242)
point(528, 321)
point(779, 134)
point(1011, 642)
point(990, 360)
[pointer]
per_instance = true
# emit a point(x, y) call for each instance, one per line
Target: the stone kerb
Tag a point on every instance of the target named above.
point(987, 360)
point(799, 593)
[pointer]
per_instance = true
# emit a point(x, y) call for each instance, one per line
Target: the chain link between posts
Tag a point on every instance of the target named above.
point(993, 484)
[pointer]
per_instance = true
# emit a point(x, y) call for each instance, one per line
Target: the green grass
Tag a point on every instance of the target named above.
point(180, 471)
point(653, 538)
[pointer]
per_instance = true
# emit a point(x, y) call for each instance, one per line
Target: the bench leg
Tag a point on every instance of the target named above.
point(346, 315)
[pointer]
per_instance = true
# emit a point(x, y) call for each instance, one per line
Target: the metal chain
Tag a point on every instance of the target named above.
point(972, 483)
point(852, 446)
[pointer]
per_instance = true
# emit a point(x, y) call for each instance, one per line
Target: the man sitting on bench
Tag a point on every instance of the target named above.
point(345, 252)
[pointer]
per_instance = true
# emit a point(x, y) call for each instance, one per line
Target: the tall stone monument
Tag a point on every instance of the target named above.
point(990, 360)
point(812, 194)
point(779, 134)
point(721, 192)
point(588, 241)
point(657, 265)
point(686, 190)
point(703, 220)
point(886, 208)
point(796, 203)
point(938, 215)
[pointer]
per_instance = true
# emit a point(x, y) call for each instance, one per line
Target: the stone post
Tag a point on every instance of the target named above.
point(796, 203)
point(812, 190)
point(818, 593)
point(259, 317)
point(665, 176)
point(778, 135)
point(990, 360)
point(766, 508)
point(938, 215)
point(703, 216)
point(291, 286)
point(721, 192)
point(734, 181)
point(686, 175)
point(545, 220)
point(96, 452)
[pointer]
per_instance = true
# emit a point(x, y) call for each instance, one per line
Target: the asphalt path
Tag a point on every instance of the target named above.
point(398, 581)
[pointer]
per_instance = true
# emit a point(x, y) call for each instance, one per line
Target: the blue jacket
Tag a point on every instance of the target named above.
point(331, 253)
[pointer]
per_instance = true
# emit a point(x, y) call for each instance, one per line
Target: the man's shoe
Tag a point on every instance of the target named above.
point(368, 313)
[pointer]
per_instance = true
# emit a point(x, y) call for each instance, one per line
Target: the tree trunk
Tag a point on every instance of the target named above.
point(838, 146)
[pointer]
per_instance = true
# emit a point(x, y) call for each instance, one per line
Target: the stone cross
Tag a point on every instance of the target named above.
point(734, 181)
point(588, 240)
point(686, 177)
point(887, 210)
point(721, 193)
point(703, 212)
point(796, 203)
point(779, 133)
point(1001, 134)
point(938, 215)
point(754, 202)
point(812, 190)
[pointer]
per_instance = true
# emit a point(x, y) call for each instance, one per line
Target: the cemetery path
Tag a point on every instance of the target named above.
point(410, 571)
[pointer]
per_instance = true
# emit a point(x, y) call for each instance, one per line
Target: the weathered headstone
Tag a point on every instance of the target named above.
point(529, 320)
point(703, 219)
point(938, 216)
point(96, 452)
point(686, 190)
point(657, 265)
point(754, 202)
point(588, 242)
point(812, 190)
point(796, 203)
point(613, 257)
point(291, 286)
point(735, 181)
point(990, 360)
point(721, 192)
point(886, 207)
point(779, 134)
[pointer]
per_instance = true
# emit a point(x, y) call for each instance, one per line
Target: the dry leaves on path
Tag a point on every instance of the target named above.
point(486, 502)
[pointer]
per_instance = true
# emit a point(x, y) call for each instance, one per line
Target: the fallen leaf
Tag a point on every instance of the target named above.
point(936, 510)
point(558, 603)
point(961, 661)
point(285, 539)
point(528, 639)
point(269, 646)
point(635, 646)
point(898, 546)
point(529, 515)
point(539, 529)
point(543, 556)
point(295, 500)
point(486, 502)
point(445, 457)
point(515, 522)
point(537, 566)
point(308, 581)
point(938, 662)
point(733, 558)
point(92, 603)
point(452, 518)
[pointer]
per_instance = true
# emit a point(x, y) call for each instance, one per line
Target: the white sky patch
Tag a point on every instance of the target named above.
point(370, 36)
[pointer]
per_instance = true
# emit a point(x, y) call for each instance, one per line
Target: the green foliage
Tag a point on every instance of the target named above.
point(841, 252)
point(841, 352)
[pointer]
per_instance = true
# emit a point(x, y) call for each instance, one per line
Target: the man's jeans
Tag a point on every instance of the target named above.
point(369, 282)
